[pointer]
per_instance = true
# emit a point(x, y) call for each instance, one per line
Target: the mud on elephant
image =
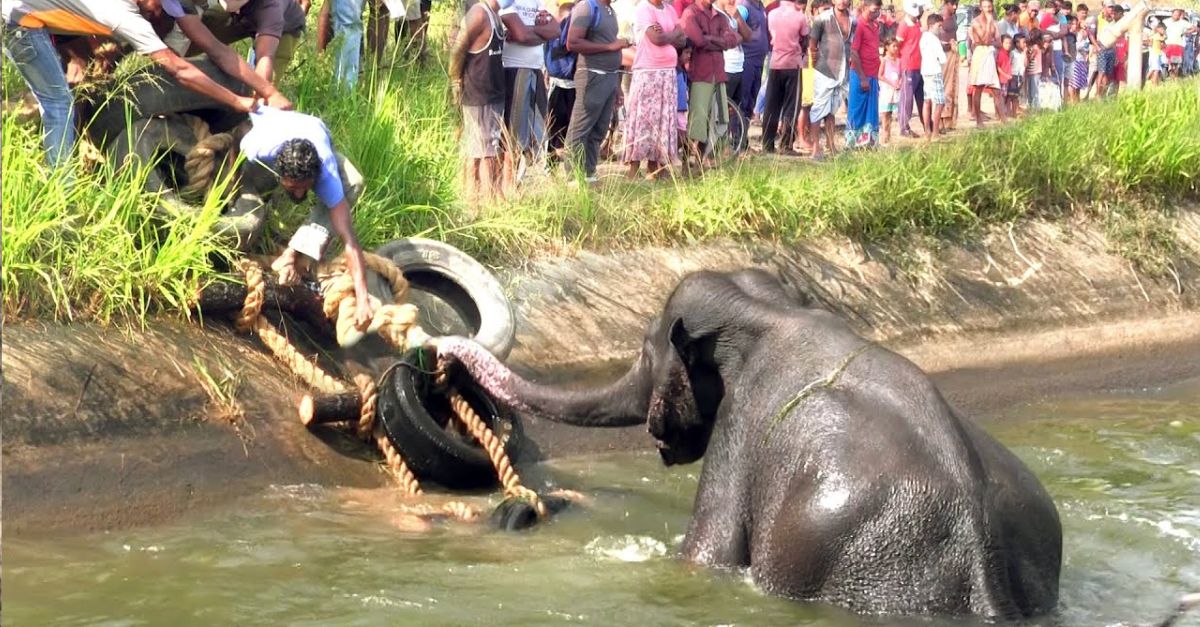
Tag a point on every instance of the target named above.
point(833, 468)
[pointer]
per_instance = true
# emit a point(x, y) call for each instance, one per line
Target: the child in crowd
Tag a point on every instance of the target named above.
point(1004, 69)
point(889, 86)
point(1157, 61)
point(1016, 84)
point(933, 62)
point(681, 99)
point(1049, 96)
point(1033, 70)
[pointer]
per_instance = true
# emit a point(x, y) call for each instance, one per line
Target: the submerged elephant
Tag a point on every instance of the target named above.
point(834, 470)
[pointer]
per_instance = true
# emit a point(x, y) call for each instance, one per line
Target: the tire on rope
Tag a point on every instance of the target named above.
point(455, 293)
point(422, 427)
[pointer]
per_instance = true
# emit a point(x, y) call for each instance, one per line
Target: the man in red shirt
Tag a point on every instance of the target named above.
point(862, 113)
point(710, 36)
point(912, 87)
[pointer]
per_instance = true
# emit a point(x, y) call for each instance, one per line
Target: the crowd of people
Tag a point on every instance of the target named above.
point(680, 79)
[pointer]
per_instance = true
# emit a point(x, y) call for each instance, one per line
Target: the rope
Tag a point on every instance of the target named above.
point(495, 451)
point(201, 161)
point(250, 318)
point(396, 322)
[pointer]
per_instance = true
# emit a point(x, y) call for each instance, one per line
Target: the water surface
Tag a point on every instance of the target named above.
point(1123, 468)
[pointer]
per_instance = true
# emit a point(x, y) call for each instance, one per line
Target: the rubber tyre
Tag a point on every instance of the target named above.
point(416, 425)
point(467, 286)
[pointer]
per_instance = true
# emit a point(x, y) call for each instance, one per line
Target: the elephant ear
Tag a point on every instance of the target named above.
point(672, 410)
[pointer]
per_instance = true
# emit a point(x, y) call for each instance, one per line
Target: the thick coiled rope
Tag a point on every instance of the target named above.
point(201, 162)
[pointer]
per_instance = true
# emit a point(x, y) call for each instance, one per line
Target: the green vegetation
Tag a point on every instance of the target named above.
point(91, 252)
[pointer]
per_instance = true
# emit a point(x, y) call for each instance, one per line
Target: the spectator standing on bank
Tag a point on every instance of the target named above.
point(735, 65)
point(912, 88)
point(560, 66)
point(862, 111)
point(983, 76)
point(709, 34)
point(789, 38)
point(1178, 31)
point(597, 80)
point(755, 50)
point(829, 47)
point(477, 78)
point(529, 27)
point(651, 133)
point(933, 60)
point(949, 36)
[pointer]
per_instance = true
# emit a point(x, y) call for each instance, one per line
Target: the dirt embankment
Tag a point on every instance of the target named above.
point(106, 429)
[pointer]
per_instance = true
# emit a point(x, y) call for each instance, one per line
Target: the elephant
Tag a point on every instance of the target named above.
point(834, 470)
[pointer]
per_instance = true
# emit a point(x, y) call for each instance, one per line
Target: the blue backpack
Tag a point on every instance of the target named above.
point(560, 62)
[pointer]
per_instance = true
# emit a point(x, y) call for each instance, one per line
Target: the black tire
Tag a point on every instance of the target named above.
point(446, 278)
point(421, 427)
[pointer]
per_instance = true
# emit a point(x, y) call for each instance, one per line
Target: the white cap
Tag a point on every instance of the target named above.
point(914, 7)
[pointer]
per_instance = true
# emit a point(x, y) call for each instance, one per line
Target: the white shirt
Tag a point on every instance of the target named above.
point(933, 58)
point(735, 59)
point(1055, 45)
point(517, 55)
point(1175, 30)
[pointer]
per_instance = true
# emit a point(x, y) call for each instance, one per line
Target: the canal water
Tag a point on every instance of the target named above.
point(1124, 469)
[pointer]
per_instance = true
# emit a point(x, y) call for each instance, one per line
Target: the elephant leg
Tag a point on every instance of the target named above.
point(717, 534)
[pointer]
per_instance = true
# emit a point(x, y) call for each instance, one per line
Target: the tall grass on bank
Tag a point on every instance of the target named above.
point(82, 245)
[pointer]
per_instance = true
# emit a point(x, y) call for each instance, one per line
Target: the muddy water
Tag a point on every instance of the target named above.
point(1124, 469)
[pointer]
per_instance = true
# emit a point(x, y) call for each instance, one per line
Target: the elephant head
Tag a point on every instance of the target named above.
point(677, 383)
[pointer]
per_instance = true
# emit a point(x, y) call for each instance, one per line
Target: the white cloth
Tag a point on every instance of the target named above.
point(1175, 31)
point(828, 94)
point(518, 55)
point(933, 58)
point(735, 59)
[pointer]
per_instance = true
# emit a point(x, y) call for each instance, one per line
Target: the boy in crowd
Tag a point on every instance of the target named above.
point(933, 61)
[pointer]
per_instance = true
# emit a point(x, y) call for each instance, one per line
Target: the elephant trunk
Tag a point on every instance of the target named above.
point(619, 404)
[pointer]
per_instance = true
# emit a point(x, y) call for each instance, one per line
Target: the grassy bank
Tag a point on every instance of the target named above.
point(89, 251)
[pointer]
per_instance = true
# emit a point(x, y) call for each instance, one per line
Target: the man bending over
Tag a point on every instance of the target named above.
point(297, 149)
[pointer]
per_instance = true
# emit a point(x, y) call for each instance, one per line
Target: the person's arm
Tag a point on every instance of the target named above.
point(815, 33)
point(743, 29)
point(458, 52)
point(229, 61)
point(691, 28)
point(193, 79)
point(726, 37)
point(339, 218)
point(518, 32)
point(264, 56)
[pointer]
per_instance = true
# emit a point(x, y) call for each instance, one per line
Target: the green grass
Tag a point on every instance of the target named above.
point(92, 252)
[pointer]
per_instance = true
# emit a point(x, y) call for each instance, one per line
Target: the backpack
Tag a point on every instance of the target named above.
point(560, 62)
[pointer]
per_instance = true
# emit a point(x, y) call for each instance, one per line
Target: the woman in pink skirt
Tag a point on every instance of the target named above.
point(650, 131)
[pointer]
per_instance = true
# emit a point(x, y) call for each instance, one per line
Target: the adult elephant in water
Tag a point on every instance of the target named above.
point(834, 470)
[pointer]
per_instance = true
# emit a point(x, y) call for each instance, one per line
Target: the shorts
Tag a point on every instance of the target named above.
point(481, 129)
point(1174, 53)
point(1013, 88)
point(891, 107)
point(1106, 63)
point(935, 88)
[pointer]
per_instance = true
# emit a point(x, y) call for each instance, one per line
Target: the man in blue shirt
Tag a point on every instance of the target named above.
point(297, 149)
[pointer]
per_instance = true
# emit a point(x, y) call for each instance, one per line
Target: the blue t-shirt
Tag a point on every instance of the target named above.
point(273, 127)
